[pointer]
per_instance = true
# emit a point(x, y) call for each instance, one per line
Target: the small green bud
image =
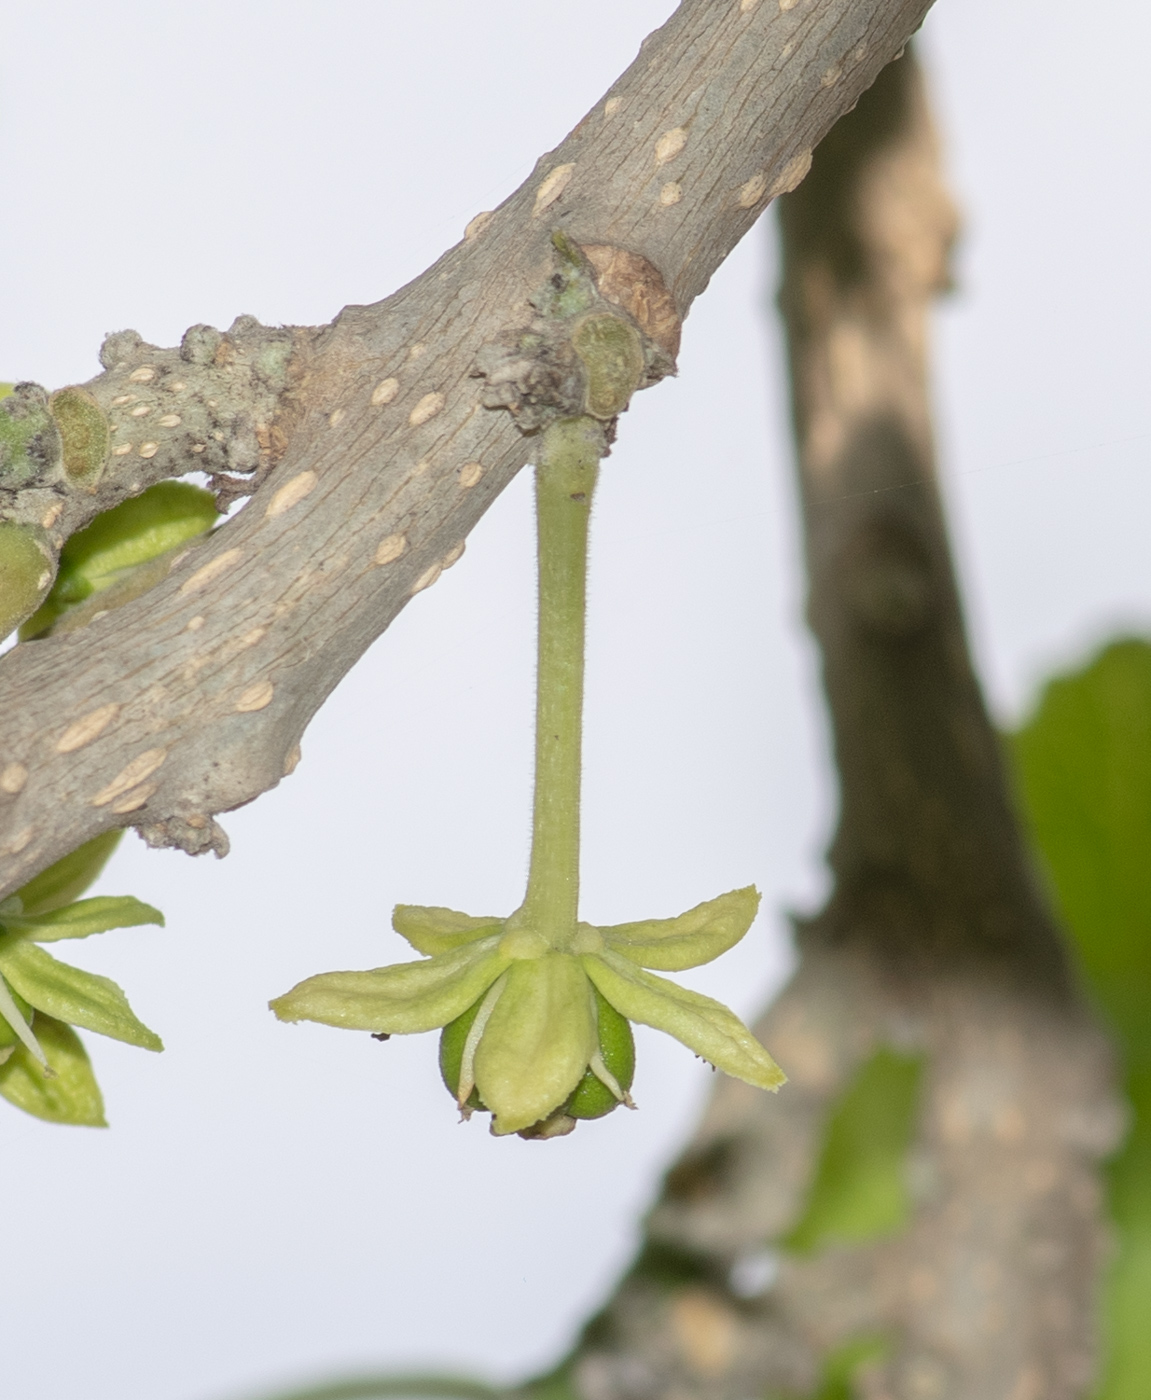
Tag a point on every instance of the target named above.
point(26, 571)
point(612, 355)
point(84, 434)
point(29, 439)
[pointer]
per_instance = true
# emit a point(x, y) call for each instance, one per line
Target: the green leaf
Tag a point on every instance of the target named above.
point(67, 880)
point(71, 995)
point(72, 1096)
point(1084, 767)
point(694, 938)
point(85, 917)
point(703, 1025)
point(538, 1041)
point(840, 1370)
point(431, 930)
point(1127, 1361)
point(399, 1000)
point(859, 1191)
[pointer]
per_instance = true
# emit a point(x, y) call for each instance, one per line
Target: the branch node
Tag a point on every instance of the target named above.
point(197, 835)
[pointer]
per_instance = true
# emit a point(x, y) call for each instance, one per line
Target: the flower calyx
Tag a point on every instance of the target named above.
point(538, 1034)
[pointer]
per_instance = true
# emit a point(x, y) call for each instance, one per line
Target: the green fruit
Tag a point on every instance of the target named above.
point(592, 1098)
point(120, 540)
point(7, 1035)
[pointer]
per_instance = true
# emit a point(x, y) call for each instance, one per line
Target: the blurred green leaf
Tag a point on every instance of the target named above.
point(67, 880)
point(860, 1189)
point(71, 1096)
point(841, 1369)
point(5, 390)
point(1083, 767)
point(69, 994)
point(395, 1387)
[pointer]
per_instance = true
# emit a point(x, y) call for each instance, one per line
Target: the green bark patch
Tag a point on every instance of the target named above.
point(84, 435)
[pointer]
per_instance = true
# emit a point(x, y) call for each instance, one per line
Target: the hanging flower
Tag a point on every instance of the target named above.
point(525, 1025)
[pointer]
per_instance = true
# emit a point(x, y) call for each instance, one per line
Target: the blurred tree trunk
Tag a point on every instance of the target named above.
point(935, 962)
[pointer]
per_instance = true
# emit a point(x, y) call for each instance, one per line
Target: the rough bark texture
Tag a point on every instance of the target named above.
point(376, 450)
point(934, 940)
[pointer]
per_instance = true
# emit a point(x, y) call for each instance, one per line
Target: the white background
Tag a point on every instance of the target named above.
point(273, 1203)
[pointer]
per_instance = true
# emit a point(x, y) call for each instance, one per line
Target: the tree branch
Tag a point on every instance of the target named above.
point(935, 943)
point(192, 700)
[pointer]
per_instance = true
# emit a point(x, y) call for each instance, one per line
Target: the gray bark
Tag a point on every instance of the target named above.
point(935, 939)
point(368, 441)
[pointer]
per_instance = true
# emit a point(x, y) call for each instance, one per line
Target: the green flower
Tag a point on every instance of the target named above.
point(44, 1068)
point(534, 1023)
point(535, 1008)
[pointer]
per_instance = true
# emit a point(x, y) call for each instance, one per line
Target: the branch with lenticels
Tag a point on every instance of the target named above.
point(373, 445)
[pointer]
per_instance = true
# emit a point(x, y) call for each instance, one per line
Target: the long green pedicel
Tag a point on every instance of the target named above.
point(565, 482)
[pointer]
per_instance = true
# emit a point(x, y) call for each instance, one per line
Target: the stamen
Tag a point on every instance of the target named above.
point(11, 1013)
point(605, 1076)
point(468, 1061)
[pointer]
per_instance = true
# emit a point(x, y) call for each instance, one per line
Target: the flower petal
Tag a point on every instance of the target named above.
point(537, 1042)
point(703, 1025)
point(399, 1000)
point(431, 930)
point(72, 995)
point(85, 917)
point(691, 939)
point(70, 1095)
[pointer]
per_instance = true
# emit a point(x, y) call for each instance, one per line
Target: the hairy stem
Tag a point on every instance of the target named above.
point(565, 480)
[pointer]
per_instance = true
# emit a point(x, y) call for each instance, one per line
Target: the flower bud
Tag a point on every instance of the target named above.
point(121, 539)
point(85, 436)
point(612, 355)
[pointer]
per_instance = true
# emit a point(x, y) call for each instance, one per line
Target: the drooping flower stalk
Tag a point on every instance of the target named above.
point(535, 1008)
point(566, 476)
